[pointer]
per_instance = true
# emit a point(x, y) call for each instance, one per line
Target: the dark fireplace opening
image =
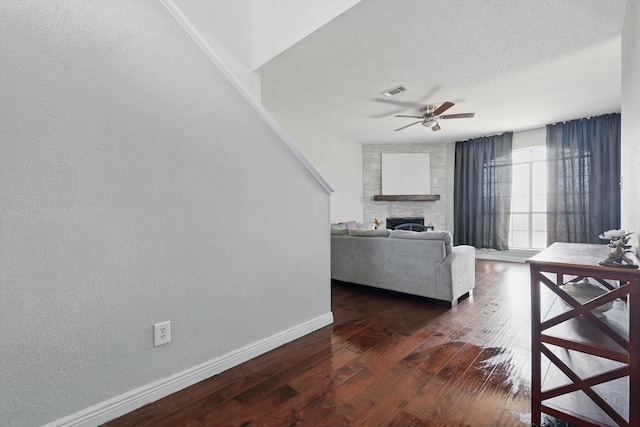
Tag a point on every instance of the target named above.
point(393, 222)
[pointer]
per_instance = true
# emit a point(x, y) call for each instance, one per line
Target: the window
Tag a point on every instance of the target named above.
point(528, 222)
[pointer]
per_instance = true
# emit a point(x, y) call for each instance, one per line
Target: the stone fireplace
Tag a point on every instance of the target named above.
point(393, 222)
point(433, 212)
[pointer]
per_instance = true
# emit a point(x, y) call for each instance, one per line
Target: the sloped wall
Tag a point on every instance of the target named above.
point(137, 186)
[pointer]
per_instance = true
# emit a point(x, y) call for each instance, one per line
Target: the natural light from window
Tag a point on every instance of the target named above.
point(528, 222)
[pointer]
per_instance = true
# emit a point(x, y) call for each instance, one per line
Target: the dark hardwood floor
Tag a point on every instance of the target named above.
point(388, 360)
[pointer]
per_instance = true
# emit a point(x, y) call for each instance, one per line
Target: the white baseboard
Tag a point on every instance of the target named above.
point(512, 255)
point(134, 399)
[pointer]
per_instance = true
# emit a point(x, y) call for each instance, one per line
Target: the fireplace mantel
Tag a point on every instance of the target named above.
point(407, 198)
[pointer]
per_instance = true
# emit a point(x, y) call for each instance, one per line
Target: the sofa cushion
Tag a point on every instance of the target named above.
point(445, 236)
point(369, 233)
point(339, 232)
point(423, 235)
point(350, 224)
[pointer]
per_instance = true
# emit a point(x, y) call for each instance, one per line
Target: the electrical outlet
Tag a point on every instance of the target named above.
point(161, 333)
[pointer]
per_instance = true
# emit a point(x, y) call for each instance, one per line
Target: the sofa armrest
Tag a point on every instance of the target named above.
point(459, 267)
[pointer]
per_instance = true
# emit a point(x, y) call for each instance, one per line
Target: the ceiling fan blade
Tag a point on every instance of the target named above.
point(414, 123)
point(444, 107)
point(435, 127)
point(412, 117)
point(458, 116)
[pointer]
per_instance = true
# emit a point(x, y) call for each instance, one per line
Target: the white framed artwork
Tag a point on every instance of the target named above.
point(406, 173)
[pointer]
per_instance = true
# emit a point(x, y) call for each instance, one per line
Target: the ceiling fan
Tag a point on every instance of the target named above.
point(429, 116)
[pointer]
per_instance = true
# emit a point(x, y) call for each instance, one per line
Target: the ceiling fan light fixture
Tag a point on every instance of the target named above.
point(430, 122)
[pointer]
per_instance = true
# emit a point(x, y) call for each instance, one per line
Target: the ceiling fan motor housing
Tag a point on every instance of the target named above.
point(427, 109)
point(430, 114)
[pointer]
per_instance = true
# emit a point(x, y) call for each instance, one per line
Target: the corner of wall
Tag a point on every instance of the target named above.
point(630, 117)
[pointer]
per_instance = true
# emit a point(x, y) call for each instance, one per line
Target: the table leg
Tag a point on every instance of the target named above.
point(536, 392)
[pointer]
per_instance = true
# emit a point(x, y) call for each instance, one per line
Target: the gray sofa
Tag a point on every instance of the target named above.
point(424, 264)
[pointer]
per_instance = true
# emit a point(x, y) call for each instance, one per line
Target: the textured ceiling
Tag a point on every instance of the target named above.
point(518, 64)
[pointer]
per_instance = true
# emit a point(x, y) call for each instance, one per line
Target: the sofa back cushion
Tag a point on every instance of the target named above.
point(445, 236)
point(369, 233)
point(339, 231)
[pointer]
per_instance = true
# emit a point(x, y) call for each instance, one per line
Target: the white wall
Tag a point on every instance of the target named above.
point(631, 117)
point(339, 162)
point(248, 33)
point(227, 27)
point(279, 24)
point(136, 186)
point(529, 138)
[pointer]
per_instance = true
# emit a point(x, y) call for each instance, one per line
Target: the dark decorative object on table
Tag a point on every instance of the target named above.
point(618, 248)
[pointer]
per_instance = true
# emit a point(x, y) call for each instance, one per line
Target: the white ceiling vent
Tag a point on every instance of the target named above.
point(394, 91)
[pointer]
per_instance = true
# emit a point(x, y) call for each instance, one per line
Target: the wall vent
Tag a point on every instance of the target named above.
point(394, 91)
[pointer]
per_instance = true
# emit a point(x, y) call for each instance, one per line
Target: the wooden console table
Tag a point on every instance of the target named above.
point(588, 366)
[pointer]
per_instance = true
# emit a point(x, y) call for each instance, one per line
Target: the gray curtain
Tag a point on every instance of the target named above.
point(482, 192)
point(583, 195)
